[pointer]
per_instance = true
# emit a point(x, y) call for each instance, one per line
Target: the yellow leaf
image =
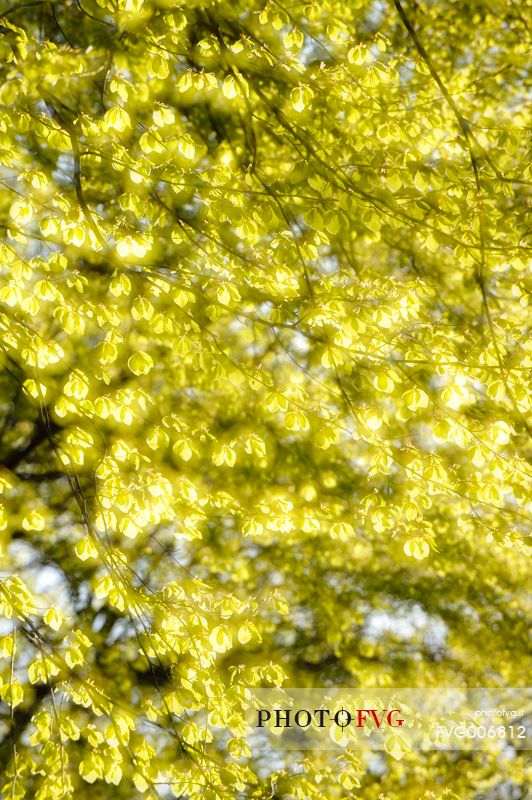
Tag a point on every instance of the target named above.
point(500, 432)
point(158, 67)
point(12, 693)
point(186, 147)
point(244, 634)
point(224, 454)
point(220, 639)
point(383, 383)
point(297, 421)
point(417, 547)
point(342, 531)
point(157, 438)
point(183, 449)
point(116, 118)
point(34, 521)
point(252, 528)
point(416, 398)
point(163, 116)
point(86, 549)
point(395, 746)
point(140, 364)
point(230, 87)
point(54, 618)
point(301, 97)
point(372, 420)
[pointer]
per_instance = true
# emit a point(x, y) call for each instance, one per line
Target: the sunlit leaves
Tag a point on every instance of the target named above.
point(499, 432)
point(120, 285)
point(186, 147)
point(12, 693)
point(220, 639)
point(264, 330)
point(116, 118)
point(416, 399)
point(342, 531)
point(140, 363)
point(224, 454)
point(54, 618)
point(86, 548)
point(230, 87)
point(158, 66)
point(417, 547)
point(301, 98)
point(396, 746)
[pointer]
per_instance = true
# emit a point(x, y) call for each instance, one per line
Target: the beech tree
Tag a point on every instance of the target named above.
point(265, 383)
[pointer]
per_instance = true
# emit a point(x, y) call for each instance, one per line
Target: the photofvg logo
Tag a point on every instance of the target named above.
point(343, 718)
point(395, 720)
point(315, 719)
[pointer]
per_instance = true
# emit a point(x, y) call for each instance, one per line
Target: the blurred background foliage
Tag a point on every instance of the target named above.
point(265, 386)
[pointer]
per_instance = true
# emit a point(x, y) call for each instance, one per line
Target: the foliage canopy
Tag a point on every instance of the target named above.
point(265, 398)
